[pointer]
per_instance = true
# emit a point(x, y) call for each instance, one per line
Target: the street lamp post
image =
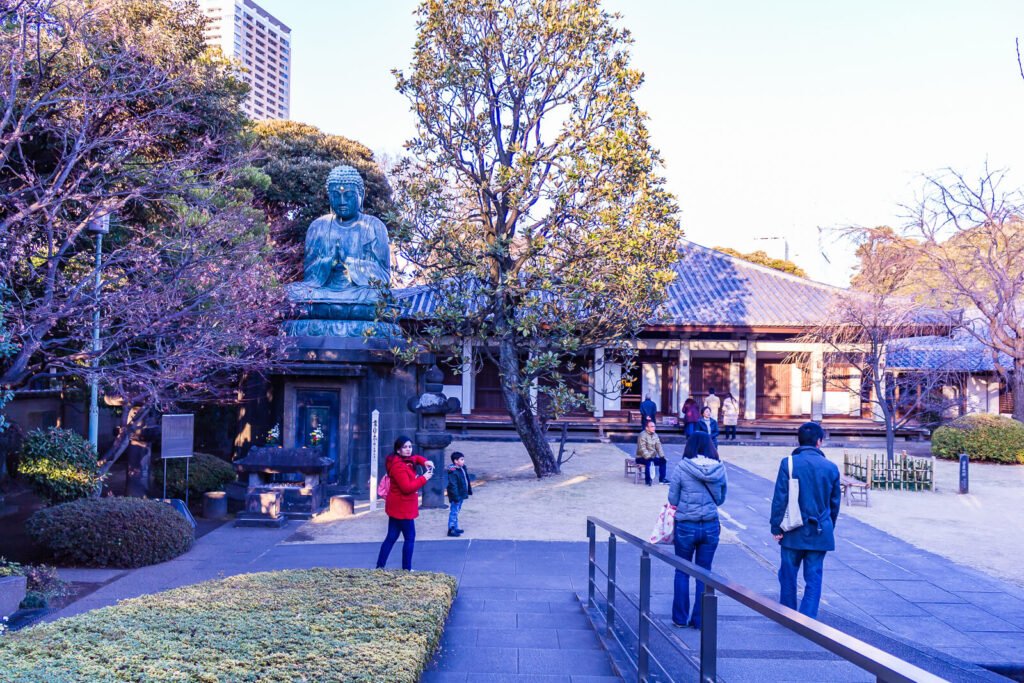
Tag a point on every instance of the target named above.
point(99, 226)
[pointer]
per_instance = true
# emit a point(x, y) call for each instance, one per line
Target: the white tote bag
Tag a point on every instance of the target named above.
point(664, 526)
point(793, 518)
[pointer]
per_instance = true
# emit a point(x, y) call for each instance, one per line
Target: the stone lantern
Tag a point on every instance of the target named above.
point(431, 436)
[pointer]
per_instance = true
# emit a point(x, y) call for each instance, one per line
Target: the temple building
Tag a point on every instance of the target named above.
point(733, 326)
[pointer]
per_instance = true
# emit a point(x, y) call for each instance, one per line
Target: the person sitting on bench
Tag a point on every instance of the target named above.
point(648, 451)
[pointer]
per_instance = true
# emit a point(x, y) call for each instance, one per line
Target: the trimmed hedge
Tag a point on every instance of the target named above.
point(310, 625)
point(59, 465)
point(111, 532)
point(205, 473)
point(983, 437)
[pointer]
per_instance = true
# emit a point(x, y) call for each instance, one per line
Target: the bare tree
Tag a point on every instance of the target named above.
point(867, 331)
point(972, 236)
point(116, 107)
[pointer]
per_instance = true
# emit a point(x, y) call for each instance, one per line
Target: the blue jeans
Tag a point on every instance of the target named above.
point(691, 427)
point(406, 527)
point(814, 564)
point(453, 514)
point(692, 539)
point(646, 464)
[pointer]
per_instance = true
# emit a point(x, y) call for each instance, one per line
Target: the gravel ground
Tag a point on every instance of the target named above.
point(982, 529)
point(509, 502)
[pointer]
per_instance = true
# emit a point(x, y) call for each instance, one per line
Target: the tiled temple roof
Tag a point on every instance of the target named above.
point(959, 352)
point(715, 289)
point(712, 289)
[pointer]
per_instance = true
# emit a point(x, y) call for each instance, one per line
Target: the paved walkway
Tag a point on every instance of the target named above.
point(516, 617)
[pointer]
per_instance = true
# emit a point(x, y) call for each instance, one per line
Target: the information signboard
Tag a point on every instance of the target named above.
point(177, 436)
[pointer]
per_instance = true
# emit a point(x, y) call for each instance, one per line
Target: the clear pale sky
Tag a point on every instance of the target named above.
point(774, 118)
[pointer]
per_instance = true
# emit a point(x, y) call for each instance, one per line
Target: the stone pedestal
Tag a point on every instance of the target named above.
point(342, 506)
point(12, 592)
point(338, 382)
point(262, 508)
point(215, 505)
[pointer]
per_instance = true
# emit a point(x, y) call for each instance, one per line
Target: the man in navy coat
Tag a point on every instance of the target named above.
point(648, 411)
point(820, 494)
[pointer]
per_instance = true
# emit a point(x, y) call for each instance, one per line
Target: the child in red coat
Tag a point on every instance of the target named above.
point(402, 504)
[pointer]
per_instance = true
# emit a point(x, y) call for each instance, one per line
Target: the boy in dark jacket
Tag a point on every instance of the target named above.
point(459, 489)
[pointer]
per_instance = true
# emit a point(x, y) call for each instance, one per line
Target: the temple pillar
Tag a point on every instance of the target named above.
point(816, 368)
point(735, 370)
point(750, 378)
point(598, 380)
point(682, 376)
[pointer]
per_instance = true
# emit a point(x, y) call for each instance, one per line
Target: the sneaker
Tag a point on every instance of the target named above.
point(453, 533)
point(678, 625)
point(648, 483)
point(459, 532)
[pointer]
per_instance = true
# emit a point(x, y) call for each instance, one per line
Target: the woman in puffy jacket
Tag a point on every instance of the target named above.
point(696, 489)
point(402, 504)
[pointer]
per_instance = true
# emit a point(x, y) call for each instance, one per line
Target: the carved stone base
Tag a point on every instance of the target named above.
point(341, 328)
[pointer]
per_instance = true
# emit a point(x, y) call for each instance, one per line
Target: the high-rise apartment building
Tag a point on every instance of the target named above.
point(261, 44)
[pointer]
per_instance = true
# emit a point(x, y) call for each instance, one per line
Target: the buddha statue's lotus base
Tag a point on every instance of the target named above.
point(318, 327)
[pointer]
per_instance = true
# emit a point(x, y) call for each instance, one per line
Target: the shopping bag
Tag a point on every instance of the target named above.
point(664, 526)
point(793, 518)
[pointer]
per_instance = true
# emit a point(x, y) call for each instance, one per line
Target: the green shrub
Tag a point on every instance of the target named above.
point(314, 625)
point(111, 532)
point(59, 465)
point(983, 437)
point(42, 582)
point(205, 473)
point(34, 600)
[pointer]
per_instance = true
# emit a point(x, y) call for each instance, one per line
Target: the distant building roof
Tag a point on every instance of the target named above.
point(959, 352)
point(713, 289)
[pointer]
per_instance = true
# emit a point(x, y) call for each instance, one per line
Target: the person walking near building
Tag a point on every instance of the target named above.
point(648, 410)
point(649, 451)
point(709, 425)
point(819, 498)
point(402, 504)
point(696, 490)
point(691, 415)
point(730, 415)
point(712, 401)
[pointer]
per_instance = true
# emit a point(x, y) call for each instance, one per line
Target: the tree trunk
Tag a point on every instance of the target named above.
point(137, 478)
point(888, 408)
point(890, 439)
point(131, 420)
point(523, 417)
point(1018, 388)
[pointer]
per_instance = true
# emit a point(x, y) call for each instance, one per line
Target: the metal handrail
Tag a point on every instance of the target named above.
point(885, 667)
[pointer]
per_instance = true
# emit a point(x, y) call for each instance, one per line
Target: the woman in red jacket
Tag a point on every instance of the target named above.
point(402, 504)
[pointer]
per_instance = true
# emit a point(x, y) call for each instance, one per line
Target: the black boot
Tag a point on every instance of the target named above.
point(453, 533)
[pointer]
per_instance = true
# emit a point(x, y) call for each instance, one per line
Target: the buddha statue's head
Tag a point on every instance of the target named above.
point(346, 191)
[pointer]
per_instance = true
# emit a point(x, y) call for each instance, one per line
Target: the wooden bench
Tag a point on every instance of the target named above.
point(854, 490)
point(634, 470)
